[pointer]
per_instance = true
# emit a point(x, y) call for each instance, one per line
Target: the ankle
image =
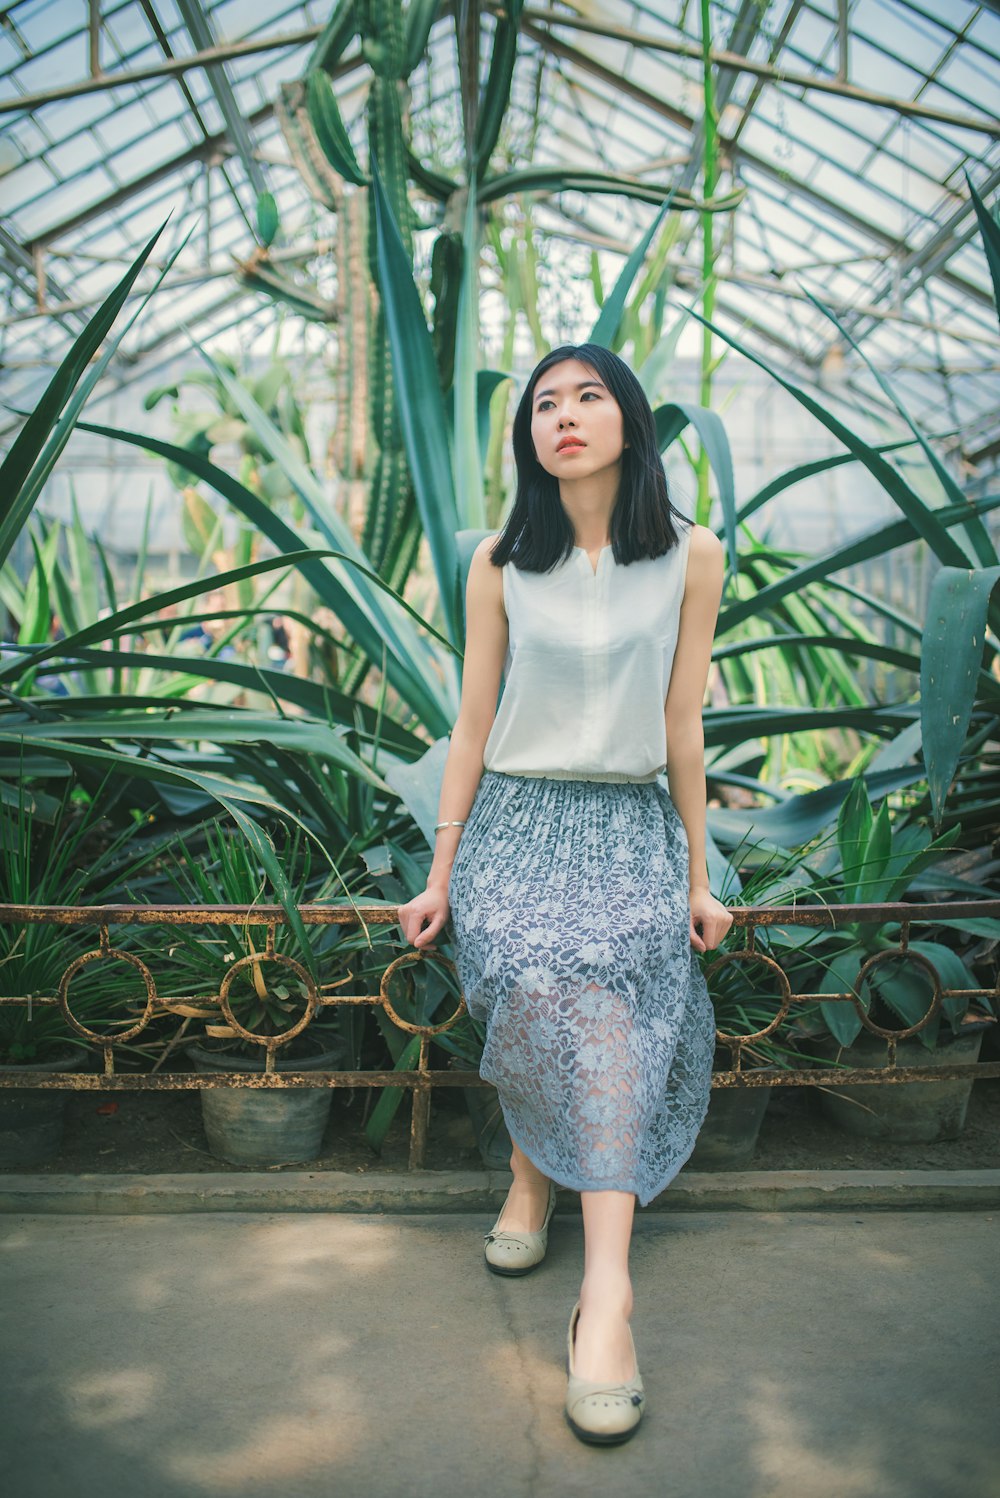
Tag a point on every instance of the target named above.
point(528, 1178)
point(609, 1293)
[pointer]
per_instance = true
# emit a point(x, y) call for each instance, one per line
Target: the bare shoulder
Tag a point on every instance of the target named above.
point(707, 551)
point(484, 549)
point(705, 569)
point(485, 580)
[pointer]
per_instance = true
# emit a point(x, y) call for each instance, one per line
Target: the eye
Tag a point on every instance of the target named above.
point(591, 392)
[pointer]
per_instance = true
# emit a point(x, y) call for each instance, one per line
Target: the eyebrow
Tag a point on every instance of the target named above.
point(582, 386)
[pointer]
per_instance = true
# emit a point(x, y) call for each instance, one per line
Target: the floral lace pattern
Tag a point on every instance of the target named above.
point(570, 909)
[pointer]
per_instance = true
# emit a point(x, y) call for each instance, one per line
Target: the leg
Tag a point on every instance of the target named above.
point(602, 1349)
point(528, 1198)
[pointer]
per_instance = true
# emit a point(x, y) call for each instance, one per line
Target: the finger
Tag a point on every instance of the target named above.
point(427, 929)
point(432, 930)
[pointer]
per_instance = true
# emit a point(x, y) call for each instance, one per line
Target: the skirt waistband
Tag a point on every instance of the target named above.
point(611, 777)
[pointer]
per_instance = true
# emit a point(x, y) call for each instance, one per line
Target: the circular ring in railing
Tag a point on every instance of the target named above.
point(783, 985)
point(402, 961)
point(270, 1042)
point(115, 956)
point(909, 955)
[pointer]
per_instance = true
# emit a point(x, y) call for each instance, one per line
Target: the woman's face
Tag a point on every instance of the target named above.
point(576, 424)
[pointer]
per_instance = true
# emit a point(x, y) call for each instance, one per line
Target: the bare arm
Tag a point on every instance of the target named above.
point(682, 716)
point(485, 649)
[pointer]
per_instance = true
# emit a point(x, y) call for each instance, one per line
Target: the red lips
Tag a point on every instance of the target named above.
point(570, 442)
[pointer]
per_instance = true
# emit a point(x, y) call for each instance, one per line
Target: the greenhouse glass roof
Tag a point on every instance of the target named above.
point(850, 123)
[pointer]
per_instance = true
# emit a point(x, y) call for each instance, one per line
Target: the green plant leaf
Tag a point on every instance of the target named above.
point(800, 818)
point(46, 430)
point(101, 628)
point(334, 141)
point(923, 518)
point(385, 1109)
point(793, 476)
point(495, 100)
point(978, 535)
point(953, 642)
point(267, 219)
point(420, 17)
point(913, 852)
point(421, 408)
point(908, 992)
point(990, 231)
point(953, 973)
point(904, 660)
point(671, 419)
point(560, 177)
point(877, 857)
point(338, 31)
point(466, 453)
point(229, 794)
point(653, 370)
point(37, 619)
point(236, 726)
point(841, 976)
point(854, 829)
point(608, 323)
point(351, 598)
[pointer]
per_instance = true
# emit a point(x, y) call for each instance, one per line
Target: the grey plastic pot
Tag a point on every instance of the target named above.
point(728, 1136)
point(904, 1112)
point(32, 1118)
point(248, 1127)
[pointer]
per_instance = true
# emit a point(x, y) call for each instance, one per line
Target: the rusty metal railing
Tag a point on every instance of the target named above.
point(421, 1079)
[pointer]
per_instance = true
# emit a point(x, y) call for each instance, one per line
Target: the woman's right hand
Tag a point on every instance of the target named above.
point(432, 907)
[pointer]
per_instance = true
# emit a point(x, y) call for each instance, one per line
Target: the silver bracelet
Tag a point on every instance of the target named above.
point(448, 824)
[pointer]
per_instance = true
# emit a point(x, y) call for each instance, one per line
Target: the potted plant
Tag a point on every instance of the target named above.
point(267, 988)
point(749, 979)
point(54, 854)
point(877, 861)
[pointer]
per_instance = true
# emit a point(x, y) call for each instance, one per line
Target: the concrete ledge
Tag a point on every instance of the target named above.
point(483, 1191)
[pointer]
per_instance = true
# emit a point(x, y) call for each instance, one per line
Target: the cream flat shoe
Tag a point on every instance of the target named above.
point(601, 1413)
point(518, 1253)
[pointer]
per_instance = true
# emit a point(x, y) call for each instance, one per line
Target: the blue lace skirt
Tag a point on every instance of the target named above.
point(570, 910)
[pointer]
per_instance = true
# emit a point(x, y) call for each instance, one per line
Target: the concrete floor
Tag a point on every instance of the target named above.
point(785, 1355)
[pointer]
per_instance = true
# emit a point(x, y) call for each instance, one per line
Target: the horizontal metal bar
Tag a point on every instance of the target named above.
point(191, 1081)
point(735, 61)
point(197, 915)
point(325, 915)
point(853, 1076)
point(422, 1081)
point(181, 1003)
point(170, 68)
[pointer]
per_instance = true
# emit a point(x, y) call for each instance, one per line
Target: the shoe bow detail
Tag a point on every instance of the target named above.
point(602, 1414)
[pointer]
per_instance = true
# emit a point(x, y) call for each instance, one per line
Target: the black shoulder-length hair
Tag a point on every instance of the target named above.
point(538, 534)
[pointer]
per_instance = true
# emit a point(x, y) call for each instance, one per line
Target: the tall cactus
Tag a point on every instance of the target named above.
point(393, 42)
point(392, 525)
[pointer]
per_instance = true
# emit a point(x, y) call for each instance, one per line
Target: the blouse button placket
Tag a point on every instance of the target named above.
point(594, 632)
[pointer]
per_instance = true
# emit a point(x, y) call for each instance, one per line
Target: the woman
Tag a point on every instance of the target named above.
point(564, 862)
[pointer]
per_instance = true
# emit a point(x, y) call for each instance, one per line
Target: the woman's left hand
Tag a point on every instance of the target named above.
point(713, 918)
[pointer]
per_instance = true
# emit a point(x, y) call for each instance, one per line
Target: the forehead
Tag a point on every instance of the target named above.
point(569, 373)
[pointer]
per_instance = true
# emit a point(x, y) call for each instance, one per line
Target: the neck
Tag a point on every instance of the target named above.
point(589, 503)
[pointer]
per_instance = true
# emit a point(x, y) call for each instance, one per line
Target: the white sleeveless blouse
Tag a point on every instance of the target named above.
point(588, 666)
